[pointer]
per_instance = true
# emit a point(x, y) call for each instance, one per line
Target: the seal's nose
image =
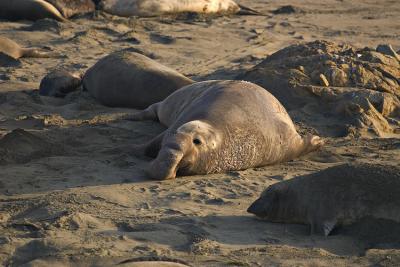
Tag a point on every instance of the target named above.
point(257, 208)
point(181, 141)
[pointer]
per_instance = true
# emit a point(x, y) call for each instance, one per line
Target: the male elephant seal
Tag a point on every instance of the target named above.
point(28, 10)
point(150, 8)
point(129, 79)
point(218, 126)
point(338, 196)
point(14, 50)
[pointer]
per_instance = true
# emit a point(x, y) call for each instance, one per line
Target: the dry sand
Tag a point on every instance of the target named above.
point(72, 193)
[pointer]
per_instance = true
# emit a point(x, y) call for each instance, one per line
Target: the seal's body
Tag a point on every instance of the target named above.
point(129, 79)
point(149, 8)
point(218, 126)
point(338, 196)
point(28, 10)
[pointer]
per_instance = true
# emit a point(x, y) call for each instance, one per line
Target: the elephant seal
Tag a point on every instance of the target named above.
point(218, 126)
point(154, 264)
point(28, 10)
point(150, 8)
point(14, 50)
point(59, 83)
point(129, 79)
point(69, 8)
point(338, 196)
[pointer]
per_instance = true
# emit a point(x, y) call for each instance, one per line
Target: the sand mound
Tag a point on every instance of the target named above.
point(349, 88)
point(20, 146)
point(44, 25)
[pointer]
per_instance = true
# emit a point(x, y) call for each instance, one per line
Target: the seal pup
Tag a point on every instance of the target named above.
point(151, 8)
point(130, 79)
point(337, 196)
point(218, 126)
point(59, 83)
point(28, 10)
point(14, 50)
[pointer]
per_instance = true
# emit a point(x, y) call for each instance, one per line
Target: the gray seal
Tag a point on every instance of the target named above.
point(129, 79)
point(59, 83)
point(338, 196)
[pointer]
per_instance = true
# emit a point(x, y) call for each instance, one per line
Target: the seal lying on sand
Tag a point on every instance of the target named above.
point(29, 10)
point(129, 79)
point(40, 9)
point(154, 264)
point(59, 83)
point(14, 50)
point(340, 195)
point(150, 8)
point(218, 126)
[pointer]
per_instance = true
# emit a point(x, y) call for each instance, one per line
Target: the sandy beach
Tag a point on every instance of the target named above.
point(73, 194)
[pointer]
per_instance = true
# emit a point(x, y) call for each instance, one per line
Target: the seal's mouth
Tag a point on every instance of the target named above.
point(184, 168)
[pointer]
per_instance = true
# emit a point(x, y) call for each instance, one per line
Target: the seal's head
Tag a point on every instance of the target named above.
point(189, 150)
point(277, 203)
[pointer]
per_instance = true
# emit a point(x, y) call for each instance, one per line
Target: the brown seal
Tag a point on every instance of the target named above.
point(129, 79)
point(28, 10)
point(59, 83)
point(218, 126)
point(338, 196)
point(14, 50)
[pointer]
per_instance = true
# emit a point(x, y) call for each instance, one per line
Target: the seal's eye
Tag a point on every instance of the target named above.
point(196, 141)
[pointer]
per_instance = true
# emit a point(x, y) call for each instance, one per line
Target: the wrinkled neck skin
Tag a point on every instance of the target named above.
point(220, 150)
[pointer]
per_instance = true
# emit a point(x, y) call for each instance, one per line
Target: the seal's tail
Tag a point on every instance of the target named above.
point(311, 143)
point(31, 52)
point(244, 10)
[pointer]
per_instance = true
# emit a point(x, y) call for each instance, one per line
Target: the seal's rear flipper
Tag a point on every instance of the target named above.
point(248, 11)
point(37, 53)
point(325, 227)
point(149, 113)
point(328, 226)
point(311, 143)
